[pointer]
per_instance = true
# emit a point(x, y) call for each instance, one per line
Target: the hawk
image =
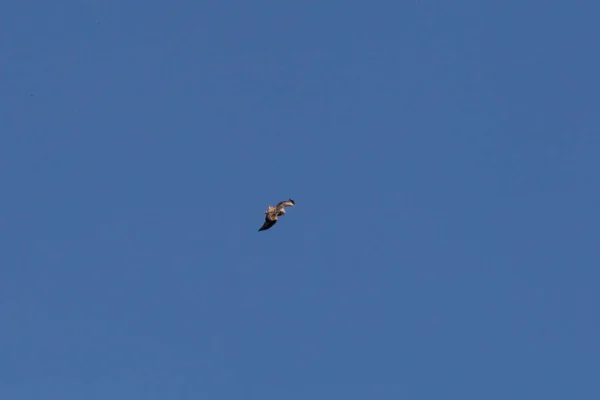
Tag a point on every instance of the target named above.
point(273, 213)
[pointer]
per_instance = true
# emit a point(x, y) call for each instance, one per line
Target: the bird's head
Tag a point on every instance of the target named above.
point(293, 202)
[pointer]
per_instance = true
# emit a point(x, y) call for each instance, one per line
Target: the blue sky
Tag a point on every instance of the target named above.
point(444, 160)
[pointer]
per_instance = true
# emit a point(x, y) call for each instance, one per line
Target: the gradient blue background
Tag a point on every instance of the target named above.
point(444, 157)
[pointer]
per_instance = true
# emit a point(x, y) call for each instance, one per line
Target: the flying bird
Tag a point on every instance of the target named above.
point(273, 213)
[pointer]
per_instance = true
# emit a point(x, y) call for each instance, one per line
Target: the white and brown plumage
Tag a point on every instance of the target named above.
point(273, 213)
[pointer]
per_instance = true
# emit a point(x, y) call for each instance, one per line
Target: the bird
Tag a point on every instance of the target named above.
point(273, 213)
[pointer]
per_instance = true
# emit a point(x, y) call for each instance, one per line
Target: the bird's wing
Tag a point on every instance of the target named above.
point(286, 203)
point(270, 220)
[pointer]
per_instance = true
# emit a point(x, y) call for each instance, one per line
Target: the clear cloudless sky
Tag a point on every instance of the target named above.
point(444, 159)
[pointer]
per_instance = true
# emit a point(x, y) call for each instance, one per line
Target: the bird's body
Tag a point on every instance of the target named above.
point(273, 213)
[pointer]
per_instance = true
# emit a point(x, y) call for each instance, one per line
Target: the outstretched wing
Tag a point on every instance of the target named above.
point(286, 203)
point(270, 220)
point(267, 225)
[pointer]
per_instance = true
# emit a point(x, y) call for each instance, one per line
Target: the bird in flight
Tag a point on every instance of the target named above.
point(273, 213)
